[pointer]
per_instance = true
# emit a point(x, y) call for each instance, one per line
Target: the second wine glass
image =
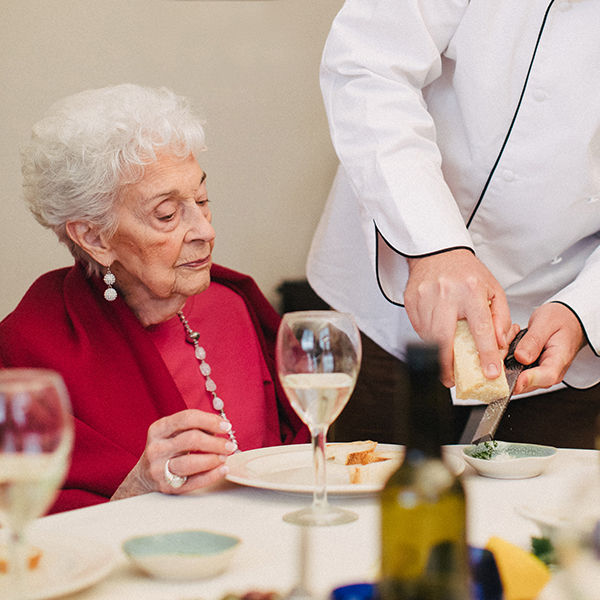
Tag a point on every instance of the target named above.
point(318, 359)
point(36, 434)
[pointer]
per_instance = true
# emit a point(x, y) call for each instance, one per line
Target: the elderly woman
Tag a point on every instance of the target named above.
point(168, 358)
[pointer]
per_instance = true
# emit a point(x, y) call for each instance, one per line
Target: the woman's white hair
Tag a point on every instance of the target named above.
point(89, 145)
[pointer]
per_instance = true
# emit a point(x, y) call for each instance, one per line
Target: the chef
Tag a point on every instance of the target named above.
point(468, 135)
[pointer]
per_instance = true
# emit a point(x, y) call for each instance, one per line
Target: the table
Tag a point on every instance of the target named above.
point(267, 558)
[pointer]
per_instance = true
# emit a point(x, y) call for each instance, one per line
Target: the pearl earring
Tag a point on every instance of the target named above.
point(109, 279)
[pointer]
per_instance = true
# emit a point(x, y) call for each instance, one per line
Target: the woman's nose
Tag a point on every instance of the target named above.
point(200, 227)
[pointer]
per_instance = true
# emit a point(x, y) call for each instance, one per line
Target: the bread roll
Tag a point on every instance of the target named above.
point(361, 462)
point(348, 453)
point(377, 471)
point(471, 383)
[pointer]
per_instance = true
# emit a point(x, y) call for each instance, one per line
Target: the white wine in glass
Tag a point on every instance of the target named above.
point(318, 359)
point(36, 436)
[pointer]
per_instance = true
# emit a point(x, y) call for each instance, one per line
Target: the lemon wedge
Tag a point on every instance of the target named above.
point(523, 575)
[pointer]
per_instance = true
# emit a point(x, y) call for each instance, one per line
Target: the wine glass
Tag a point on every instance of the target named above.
point(36, 436)
point(318, 357)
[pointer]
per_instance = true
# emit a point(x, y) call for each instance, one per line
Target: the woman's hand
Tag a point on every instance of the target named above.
point(554, 334)
point(445, 287)
point(194, 443)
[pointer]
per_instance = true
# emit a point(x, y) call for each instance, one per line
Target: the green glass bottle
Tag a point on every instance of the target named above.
point(423, 517)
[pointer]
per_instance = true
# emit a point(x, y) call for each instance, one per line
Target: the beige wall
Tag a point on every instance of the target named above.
point(252, 67)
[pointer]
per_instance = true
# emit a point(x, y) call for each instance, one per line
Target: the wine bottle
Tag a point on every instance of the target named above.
point(424, 553)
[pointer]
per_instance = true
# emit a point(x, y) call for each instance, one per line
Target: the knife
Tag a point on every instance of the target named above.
point(495, 410)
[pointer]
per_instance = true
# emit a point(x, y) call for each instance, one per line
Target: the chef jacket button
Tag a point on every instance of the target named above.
point(540, 95)
point(477, 238)
point(593, 199)
point(556, 260)
point(508, 175)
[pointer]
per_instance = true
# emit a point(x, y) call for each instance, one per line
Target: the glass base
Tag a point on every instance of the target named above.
point(320, 516)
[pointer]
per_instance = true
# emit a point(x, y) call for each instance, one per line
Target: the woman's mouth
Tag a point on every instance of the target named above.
point(194, 264)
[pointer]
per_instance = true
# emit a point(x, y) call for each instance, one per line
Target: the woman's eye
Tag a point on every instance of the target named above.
point(166, 217)
point(202, 202)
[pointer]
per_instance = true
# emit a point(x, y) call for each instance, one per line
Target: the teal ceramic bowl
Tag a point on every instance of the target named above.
point(190, 554)
point(508, 460)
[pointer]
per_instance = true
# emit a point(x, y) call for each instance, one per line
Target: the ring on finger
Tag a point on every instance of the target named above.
point(175, 481)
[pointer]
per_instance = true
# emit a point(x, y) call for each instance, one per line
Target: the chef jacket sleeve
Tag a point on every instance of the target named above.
point(581, 296)
point(377, 59)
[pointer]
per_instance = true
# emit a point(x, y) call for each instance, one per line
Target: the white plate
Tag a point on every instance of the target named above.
point(551, 520)
point(67, 565)
point(289, 469)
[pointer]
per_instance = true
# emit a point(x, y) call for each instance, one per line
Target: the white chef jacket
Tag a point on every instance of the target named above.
point(463, 125)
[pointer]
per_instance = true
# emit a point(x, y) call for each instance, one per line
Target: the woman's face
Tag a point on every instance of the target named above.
point(164, 239)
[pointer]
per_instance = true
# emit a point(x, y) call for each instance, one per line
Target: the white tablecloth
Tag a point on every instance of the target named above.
point(267, 557)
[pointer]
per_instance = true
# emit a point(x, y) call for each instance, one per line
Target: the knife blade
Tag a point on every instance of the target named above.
point(495, 410)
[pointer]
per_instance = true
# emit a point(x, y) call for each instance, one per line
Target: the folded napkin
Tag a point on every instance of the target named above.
point(523, 575)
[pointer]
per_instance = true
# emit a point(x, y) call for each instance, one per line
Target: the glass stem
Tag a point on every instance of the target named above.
point(17, 566)
point(319, 437)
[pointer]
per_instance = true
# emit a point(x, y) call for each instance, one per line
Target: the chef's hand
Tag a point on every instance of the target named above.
point(554, 334)
point(194, 443)
point(445, 287)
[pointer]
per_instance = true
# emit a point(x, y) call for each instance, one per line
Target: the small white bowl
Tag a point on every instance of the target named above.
point(190, 554)
point(511, 460)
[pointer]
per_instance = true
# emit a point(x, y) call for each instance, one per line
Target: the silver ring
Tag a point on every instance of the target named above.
point(175, 481)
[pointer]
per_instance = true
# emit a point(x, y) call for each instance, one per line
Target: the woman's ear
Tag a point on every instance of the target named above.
point(87, 237)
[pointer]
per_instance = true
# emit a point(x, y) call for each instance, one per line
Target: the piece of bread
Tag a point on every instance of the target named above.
point(362, 462)
point(350, 453)
point(471, 383)
point(34, 555)
point(377, 471)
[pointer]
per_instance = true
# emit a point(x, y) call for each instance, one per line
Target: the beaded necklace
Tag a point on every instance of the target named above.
point(192, 337)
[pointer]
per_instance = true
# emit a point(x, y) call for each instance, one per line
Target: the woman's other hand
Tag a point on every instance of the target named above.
point(195, 444)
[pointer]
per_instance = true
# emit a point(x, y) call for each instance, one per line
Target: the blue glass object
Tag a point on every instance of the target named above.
point(485, 581)
point(356, 591)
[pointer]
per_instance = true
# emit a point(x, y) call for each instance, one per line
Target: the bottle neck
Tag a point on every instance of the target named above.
point(430, 417)
point(424, 430)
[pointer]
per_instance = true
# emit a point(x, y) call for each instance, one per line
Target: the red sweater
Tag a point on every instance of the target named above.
point(117, 381)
